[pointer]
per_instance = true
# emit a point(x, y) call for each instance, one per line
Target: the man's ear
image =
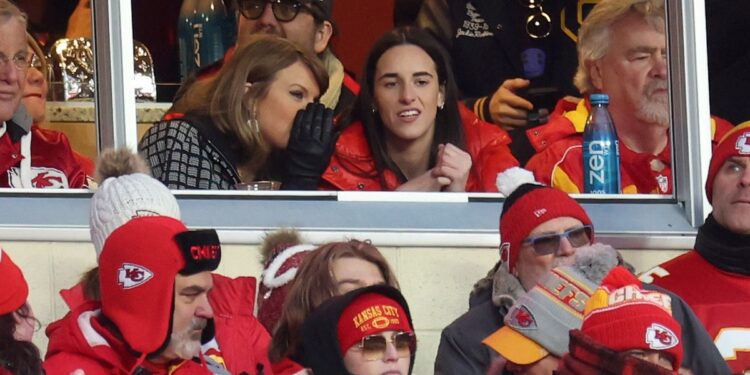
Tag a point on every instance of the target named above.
point(322, 36)
point(595, 72)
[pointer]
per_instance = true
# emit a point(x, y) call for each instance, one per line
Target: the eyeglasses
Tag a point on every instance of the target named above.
point(283, 10)
point(35, 62)
point(374, 346)
point(538, 24)
point(21, 61)
point(550, 243)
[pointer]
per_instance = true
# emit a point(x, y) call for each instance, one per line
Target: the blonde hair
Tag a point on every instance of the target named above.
point(229, 101)
point(8, 10)
point(595, 33)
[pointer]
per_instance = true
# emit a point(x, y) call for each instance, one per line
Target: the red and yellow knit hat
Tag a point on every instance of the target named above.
point(370, 314)
point(14, 290)
point(735, 143)
point(622, 316)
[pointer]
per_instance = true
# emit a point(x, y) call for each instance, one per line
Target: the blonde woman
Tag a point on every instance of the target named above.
point(258, 119)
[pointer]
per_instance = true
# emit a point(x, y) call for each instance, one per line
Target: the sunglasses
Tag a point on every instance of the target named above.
point(283, 10)
point(374, 346)
point(539, 23)
point(550, 243)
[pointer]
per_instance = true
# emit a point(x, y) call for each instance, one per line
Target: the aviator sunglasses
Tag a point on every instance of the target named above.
point(374, 346)
point(550, 243)
point(283, 10)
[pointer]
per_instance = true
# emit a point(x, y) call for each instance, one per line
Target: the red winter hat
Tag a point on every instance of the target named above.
point(14, 290)
point(137, 270)
point(527, 206)
point(370, 314)
point(735, 143)
point(279, 270)
point(622, 316)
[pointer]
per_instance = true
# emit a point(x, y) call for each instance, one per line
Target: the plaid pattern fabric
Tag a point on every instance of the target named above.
point(182, 158)
point(587, 357)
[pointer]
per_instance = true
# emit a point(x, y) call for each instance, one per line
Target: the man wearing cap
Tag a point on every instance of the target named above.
point(622, 52)
point(535, 335)
point(154, 277)
point(540, 228)
point(626, 330)
point(714, 278)
point(126, 192)
point(308, 24)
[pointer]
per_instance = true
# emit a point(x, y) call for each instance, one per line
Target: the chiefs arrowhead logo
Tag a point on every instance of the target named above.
point(521, 318)
point(132, 275)
point(659, 337)
point(743, 144)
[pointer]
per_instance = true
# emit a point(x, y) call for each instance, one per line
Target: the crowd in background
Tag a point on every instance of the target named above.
point(447, 105)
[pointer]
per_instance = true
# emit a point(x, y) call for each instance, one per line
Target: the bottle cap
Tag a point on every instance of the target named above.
point(599, 98)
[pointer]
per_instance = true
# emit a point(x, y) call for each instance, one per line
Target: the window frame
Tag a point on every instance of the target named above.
point(389, 219)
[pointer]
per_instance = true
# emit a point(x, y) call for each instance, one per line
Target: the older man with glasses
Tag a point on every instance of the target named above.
point(307, 23)
point(29, 157)
point(540, 228)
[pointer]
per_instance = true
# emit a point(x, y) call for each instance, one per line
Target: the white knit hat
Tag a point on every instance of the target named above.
point(120, 199)
point(125, 193)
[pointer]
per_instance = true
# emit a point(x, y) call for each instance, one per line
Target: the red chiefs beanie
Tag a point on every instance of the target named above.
point(370, 314)
point(735, 143)
point(14, 290)
point(622, 316)
point(527, 207)
point(137, 270)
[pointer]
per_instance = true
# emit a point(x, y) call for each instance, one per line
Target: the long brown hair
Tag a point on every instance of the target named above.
point(229, 102)
point(314, 284)
point(18, 357)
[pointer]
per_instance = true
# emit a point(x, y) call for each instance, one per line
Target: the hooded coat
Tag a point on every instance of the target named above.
point(84, 339)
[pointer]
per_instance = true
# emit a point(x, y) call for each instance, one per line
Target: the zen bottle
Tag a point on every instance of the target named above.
point(601, 151)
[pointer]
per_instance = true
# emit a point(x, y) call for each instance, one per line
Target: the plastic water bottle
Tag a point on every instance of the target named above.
point(211, 23)
point(205, 29)
point(188, 54)
point(601, 151)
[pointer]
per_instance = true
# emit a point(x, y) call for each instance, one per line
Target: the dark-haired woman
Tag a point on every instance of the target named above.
point(18, 355)
point(408, 131)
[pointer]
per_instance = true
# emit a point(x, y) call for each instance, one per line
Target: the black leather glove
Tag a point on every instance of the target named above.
point(309, 149)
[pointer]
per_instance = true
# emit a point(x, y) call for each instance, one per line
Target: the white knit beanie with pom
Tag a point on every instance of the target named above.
point(126, 191)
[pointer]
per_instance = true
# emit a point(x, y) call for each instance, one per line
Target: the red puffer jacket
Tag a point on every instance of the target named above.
point(353, 168)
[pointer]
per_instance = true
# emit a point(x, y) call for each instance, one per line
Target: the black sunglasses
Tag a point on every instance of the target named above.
point(374, 346)
point(550, 243)
point(283, 10)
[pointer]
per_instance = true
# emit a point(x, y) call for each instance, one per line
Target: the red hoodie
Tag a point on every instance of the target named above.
point(81, 341)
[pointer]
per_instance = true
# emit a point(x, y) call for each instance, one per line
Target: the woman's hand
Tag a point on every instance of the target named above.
point(428, 181)
point(310, 146)
point(453, 163)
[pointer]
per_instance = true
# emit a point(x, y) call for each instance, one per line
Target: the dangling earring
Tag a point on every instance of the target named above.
point(253, 122)
point(440, 107)
point(254, 126)
point(374, 110)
